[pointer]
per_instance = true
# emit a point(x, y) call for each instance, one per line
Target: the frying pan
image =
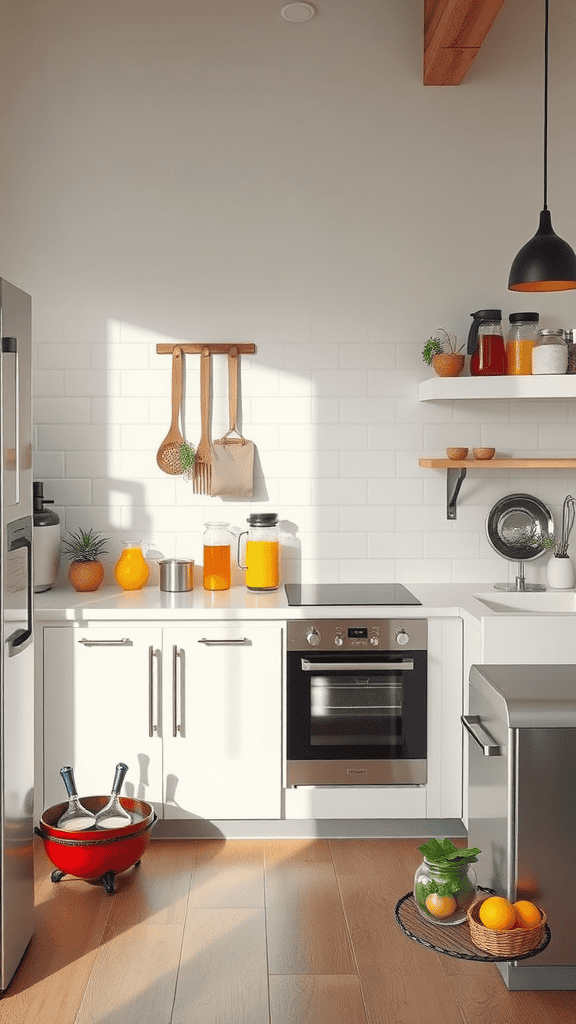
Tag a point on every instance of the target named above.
point(518, 527)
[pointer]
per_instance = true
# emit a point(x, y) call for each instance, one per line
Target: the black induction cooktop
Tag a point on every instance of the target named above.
point(316, 594)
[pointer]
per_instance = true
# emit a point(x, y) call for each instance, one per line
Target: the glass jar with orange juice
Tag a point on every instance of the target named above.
point(520, 342)
point(131, 570)
point(262, 552)
point(217, 563)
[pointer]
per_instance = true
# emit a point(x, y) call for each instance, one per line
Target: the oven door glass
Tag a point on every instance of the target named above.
point(353, 706)
point(358, 710)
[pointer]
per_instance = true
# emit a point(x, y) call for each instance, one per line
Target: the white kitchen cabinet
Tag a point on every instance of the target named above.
point(222, 721)
point(194, 711)
point(101, 706)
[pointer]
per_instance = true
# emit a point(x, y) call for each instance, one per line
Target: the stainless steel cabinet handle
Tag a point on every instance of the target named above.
point(104, 643)
point(489, 749)
point(370, 666)
point(224, 643)
point(151, 727)
point(176, 653)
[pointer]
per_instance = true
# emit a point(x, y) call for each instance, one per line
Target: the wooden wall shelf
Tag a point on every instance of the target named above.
point(456, 472)
point(497, 463)
point(544, 385)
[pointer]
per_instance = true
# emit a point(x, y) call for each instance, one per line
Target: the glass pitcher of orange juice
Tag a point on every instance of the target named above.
point(217, 563)
point(131, 569)
point(262, 552)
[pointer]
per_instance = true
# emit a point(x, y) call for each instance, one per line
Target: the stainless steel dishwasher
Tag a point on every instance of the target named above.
point(521, 730)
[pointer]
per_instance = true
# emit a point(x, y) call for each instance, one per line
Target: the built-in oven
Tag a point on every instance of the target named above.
point(356, 702)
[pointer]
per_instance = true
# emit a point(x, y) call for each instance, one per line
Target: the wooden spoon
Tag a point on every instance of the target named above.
point(168, 456)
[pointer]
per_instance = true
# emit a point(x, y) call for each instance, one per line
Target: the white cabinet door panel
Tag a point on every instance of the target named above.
point(222, 721)
point(100, 708)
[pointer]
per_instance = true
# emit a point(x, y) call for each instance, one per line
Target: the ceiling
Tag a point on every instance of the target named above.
point(454, 31)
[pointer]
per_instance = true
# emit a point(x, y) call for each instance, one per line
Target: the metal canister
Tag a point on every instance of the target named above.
point(176, 574)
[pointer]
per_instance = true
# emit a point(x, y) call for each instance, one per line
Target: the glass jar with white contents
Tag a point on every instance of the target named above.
point(550, 354)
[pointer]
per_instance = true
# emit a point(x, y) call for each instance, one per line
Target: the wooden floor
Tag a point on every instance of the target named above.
point(253, 932)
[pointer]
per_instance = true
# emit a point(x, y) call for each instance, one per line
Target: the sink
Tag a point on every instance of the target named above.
point(546, 602)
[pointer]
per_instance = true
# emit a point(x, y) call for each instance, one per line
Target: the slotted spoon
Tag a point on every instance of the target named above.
point(203, 458)
point(168, 455)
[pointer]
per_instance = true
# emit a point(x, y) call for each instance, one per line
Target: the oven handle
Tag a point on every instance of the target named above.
point(371, 666)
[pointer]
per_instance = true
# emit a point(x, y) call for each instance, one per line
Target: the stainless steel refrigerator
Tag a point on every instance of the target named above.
point(17, 664)
point(521, 731)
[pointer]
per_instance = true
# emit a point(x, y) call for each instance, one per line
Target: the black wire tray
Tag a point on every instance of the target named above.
point(456, 938)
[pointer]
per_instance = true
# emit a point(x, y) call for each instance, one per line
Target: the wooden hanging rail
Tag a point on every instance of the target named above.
point(195, 348)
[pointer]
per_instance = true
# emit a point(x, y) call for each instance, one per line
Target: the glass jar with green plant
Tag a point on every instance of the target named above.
point(443, 353)
point(84, 548)
point(445, 882)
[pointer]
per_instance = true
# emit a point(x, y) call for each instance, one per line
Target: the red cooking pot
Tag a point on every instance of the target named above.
point(97, 855)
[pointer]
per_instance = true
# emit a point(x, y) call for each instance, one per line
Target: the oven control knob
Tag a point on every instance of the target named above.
point(402, 636)
point(313, 637)
point(338, 641)
point(374, 641)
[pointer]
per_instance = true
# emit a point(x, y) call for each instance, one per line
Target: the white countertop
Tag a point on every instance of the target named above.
point(63, 604)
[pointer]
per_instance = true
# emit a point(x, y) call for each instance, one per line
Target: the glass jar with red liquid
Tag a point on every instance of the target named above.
point(486, 344)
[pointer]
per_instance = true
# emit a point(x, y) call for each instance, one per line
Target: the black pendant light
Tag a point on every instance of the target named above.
point(546, 263)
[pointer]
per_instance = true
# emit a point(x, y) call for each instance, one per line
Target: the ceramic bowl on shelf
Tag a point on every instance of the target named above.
point(482, 454)
point(456, 454)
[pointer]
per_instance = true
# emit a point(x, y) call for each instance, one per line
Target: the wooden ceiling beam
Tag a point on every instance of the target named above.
point(454, 31)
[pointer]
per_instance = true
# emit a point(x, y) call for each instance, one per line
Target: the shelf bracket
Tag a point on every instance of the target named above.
point(454, 479)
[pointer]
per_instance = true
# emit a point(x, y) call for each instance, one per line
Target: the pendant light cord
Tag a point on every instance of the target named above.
point(546, 105)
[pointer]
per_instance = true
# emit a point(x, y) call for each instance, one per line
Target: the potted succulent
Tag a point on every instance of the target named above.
point(444, 354)
point(84, 548)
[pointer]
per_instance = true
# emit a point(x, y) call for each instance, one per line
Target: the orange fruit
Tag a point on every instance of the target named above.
point(440, 906)
point(497, 913)
point(527, 915)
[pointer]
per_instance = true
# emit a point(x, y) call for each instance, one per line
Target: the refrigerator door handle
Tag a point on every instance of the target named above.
point(489, 749)
point(11, 425)
point(19, 535)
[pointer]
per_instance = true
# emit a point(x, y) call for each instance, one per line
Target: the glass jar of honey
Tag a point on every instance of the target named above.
point(520, 342)
point(217, 571)
point(262, 552)
point(131, 570)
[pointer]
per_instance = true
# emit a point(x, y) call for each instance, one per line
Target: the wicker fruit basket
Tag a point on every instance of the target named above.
point(511, 942)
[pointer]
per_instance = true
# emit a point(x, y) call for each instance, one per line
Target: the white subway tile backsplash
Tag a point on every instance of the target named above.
point(121, 410)
point(368, 465)
point(48, 464)
point(397, 437)
point(61, 410)
point(281, 410)
point(339, 382)
point(338, 431)
point(368, 409)
point(47, 383)
point(339, 492)
point(81, 437)
point(395, 492)
point(75, 357)
point(395, 545)
point(368, 357)
point(92, 383)
point(70, 492)
point(371, 518)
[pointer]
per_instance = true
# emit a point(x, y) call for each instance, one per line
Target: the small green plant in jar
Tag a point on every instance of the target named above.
point(445, 882)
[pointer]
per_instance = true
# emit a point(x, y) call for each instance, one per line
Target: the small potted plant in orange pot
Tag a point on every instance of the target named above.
point(444, 354)
point(84, 548)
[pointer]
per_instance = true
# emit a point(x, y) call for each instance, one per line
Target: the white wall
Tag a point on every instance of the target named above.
point(203, 170)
